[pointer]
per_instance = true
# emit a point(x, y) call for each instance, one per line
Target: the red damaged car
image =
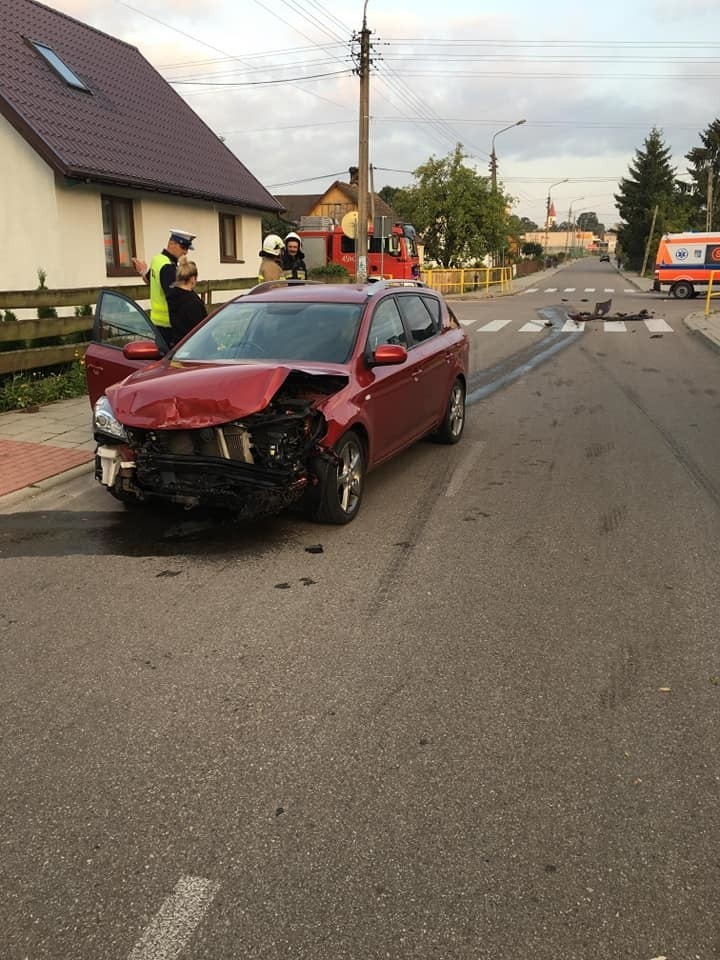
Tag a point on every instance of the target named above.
point(292, 392)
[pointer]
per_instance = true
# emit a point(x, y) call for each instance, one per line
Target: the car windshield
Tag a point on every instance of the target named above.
point(288, 331)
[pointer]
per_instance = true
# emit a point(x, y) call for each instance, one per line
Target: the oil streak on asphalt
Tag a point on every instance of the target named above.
point(512, 368)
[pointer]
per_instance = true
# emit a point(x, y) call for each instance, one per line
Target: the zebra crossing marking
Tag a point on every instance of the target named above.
point(658, 325)
point(652, 324)
point(575, 290)
point(495, 325)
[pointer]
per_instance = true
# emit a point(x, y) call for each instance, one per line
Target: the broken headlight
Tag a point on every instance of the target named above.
point(104, 421)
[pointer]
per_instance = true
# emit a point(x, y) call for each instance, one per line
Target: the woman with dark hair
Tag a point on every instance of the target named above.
point(185, 306)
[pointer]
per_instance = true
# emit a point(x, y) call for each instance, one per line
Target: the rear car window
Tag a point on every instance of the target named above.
point(418, 317)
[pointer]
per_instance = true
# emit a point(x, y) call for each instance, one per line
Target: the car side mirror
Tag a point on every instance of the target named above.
point(388, 355)
point(141, 350)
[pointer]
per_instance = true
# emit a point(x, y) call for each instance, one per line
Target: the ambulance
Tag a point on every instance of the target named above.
point(685, 261)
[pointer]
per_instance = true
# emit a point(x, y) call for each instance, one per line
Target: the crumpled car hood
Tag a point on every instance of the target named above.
point(187, 397)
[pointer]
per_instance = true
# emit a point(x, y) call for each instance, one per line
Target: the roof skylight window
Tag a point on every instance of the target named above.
point(59, 66)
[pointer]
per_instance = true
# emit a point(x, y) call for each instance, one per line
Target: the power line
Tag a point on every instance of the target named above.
point(258, 83)
point(290, 183)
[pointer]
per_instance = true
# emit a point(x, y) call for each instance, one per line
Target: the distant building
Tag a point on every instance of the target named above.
point(339, 198)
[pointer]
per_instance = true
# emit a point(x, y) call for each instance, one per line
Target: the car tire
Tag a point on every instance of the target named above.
point(683, 290)
point(341, 482)
point(453, 423)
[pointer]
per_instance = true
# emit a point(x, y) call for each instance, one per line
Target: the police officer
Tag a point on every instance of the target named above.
point(161, 275)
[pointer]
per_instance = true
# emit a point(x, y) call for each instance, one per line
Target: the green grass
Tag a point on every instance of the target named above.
point(22, 390)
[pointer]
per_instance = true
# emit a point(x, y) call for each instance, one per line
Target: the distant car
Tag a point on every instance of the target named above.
point(604, 258)
point(292, 392)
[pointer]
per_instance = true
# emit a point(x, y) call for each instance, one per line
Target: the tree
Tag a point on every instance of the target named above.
point(528, 225)
point(589, 221)
point(532, 250)
point(388, 195)
point(455, 210)
point(704, 160)
point(651, 183)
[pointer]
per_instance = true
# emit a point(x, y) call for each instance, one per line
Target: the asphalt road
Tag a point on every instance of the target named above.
point(480, 722)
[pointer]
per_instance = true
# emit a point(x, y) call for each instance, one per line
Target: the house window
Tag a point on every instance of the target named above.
point(59, 66)
point(228, 239)
point(119, 236)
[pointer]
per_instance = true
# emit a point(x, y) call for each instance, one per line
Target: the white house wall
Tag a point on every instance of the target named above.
point(47, 223)
point(28, 213)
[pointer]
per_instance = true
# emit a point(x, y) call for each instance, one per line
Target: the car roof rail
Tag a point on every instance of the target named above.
point(382, 283)
point(275, 284)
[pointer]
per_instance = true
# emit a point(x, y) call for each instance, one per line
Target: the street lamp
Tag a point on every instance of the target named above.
point(547, 215)
point(570, 222)
point(493, 157)
point(576, 215)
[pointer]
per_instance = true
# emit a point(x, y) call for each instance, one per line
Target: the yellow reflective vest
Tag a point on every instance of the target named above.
point(159, 313)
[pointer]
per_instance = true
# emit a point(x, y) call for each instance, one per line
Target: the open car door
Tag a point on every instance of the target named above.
point(118, 321)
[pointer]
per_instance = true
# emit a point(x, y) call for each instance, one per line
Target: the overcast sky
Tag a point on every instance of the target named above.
point(590, 79)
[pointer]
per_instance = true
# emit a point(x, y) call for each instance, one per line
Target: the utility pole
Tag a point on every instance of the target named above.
point(361, 238)
point(493, 170)
point(649, 241)
point(708, 215)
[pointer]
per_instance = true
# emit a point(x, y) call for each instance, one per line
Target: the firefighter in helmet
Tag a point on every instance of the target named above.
point(293, 259)
point(271, 258)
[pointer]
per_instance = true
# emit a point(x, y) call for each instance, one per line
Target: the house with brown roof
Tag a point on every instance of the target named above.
point(101, 159)
point(339, 198)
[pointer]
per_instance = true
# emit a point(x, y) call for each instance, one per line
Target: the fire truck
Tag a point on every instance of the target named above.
point(392, 255)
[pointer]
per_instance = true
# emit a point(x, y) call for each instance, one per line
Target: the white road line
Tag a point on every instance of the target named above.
point(609, 290)
point(615, 326)
point(172, 926)
point(494, 325)
point(589, 290)
point(466, 323)
point(570, 326)
point(532, 290)
point(464, 467)
point(630, 291)
point(569, 290)
point(532, 327)
point(658, 325)
point(551, 290)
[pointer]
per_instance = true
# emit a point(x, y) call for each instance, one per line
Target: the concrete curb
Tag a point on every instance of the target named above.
point(700, 325)
point(42, 486)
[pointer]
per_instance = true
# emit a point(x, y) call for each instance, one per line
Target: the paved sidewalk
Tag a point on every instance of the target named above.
point(47, 446)
point(39, 446)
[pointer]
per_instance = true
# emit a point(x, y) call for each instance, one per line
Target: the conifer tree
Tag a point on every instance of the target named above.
point(651, 182)
point(701, 158)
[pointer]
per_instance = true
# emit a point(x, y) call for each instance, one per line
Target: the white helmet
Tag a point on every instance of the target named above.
point(293, 236)
point(273, 244)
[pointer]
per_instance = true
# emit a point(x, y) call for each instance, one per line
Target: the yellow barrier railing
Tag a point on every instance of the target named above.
point(469, 279)
point(710, 294)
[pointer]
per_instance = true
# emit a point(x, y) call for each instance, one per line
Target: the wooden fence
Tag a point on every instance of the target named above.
point(16, 336)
